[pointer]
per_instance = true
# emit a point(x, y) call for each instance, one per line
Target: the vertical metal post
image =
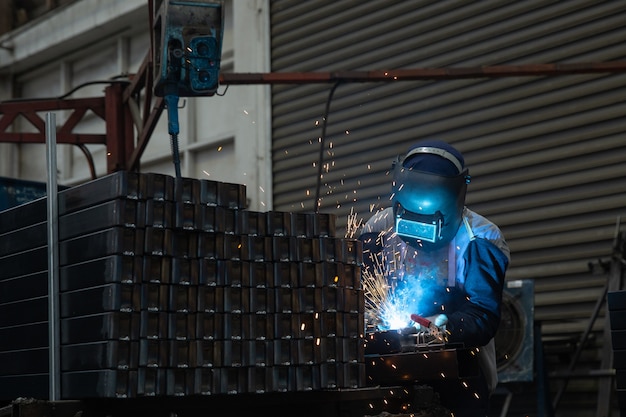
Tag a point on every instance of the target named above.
point(54, 370)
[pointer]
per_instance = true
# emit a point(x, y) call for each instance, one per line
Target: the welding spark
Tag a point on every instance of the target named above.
point(353, 224)
point(392, 294)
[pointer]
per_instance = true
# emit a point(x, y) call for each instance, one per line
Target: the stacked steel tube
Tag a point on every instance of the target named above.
point(173, 287)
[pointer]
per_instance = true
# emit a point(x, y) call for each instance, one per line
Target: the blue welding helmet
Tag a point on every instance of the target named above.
point(429, 188)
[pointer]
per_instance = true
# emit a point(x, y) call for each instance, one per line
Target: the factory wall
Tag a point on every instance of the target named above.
point(546, 154)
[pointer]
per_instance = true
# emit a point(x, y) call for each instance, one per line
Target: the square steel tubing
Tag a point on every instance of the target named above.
point(310, 274)
point(309, 326)
point(309, 299)
point(104, 383)
point(285, 274)
point(25, 311)
point(353, 300)
point(211, 272)
point(115, 240)
point(212, 219)
point(205, 380)
point(284, 249)
point(182, 325)
point(234, 380)
point(208, 353)
point(154, 353)
point(253, 223)
point(104, 326)
point(223, 194)
point(303, 224)
point(324, 225)
point(307, 249)
point(188, 216)
point(286, 325)
point(23, 362)
point(117, 185)
point(157, 269)
point(331, 323)
point(237, 326)
point(25, 336)
point(211, 245)
point(210, 326)
point(354, 324)
point(306, 351)
point(352, 251)
point(234, 352)
point(261, 299)
point(235, 247)
point(26, 286)
point(278, 223)
point(25, 238)
point(261, 274)
point(616, 300)
point(236, 299)
point(155, 296)
point(286, 300)
point(106, 354)
point(331, 375)
point(259, 248)
point(182, 298)
point(187, 190)
point(211, 298)
point(231, 195)
point(307, 378)
point(156, 186)
point(261, 352)
point(617, 318)
point(353, 350)
point(158, 242)
point(154, 325)
point(184, 271)
point(236, 273)
point(330, 349)
point(259, 379)
point(355, 375)
point(119, 212)
point(24, 263)
point(180, 382)
point(151, 382)
point(159, 214)
point(93, 300)
point(126, 269)
point(24, 386)
point(182, 354)
point(283, 378)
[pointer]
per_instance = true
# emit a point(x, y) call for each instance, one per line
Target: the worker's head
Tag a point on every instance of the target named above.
point(429, 187)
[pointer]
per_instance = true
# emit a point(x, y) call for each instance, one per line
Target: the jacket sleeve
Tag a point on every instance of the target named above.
point(477, 318)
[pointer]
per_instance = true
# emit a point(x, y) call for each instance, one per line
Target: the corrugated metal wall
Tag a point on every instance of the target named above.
point(547, 155)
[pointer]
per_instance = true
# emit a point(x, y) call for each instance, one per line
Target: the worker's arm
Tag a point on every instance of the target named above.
point(476, 320)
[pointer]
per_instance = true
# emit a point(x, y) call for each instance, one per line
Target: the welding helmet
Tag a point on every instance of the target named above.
point(428, 194)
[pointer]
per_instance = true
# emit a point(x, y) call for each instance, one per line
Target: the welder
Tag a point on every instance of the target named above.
point(457, 255)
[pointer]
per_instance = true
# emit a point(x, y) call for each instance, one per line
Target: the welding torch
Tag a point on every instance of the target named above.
point(436, 328)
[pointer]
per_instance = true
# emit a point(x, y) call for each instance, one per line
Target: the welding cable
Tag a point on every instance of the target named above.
point(320, 161)
point(171, 103)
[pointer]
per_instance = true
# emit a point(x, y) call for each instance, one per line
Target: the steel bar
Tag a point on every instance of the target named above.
point(54, 373)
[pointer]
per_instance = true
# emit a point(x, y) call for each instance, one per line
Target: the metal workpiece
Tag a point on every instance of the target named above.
point(166, 297)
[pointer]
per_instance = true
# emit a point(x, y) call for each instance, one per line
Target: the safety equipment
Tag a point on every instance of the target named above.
point(428, 206)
